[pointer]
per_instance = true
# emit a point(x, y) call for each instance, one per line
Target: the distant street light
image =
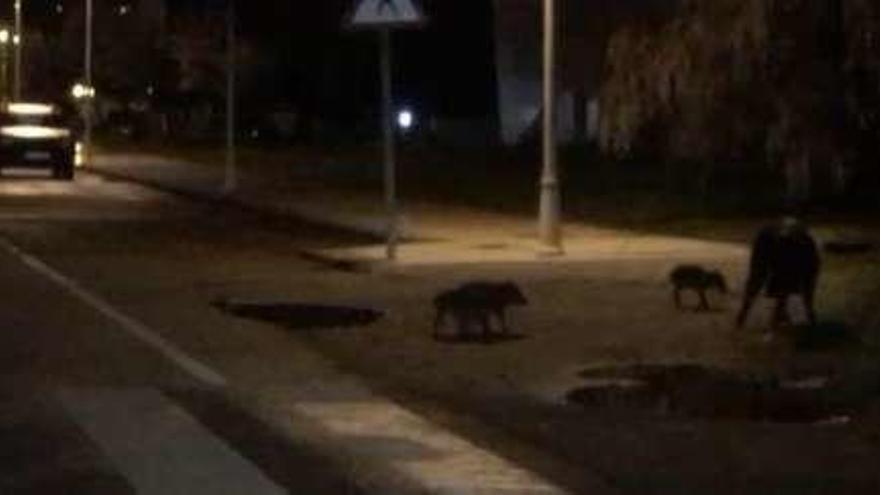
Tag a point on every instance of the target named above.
point(80, 92)
point(549, 229)
point(405, 120)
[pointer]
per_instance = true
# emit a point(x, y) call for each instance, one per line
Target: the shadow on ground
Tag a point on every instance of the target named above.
point(825, 335)
point(297, 316)
point(479, 338)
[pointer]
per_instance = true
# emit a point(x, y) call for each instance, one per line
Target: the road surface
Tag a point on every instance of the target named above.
point(123, 370)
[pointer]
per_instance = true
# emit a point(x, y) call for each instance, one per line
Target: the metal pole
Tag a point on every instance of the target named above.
point(89, 100)
point(18, 40)
point(230, 178)
point(388, 146)
point(5, 71)
point(549, 229)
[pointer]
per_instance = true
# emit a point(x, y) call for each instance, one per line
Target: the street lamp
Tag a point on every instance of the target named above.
point(230, 179)
point(18, 40)
point(5, 38)
point(88, 103)
point(81, 91)
point(405, 120)
point(549, 229)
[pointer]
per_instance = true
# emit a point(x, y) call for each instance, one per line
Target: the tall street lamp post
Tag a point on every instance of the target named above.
point(549, 229)
point(88, 102)
point(18, 41)
point(230, 178)
point(5, 39)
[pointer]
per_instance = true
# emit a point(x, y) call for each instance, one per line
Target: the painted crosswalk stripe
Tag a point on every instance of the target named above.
point(159, 447)
point(133, 327)
point(451, 464)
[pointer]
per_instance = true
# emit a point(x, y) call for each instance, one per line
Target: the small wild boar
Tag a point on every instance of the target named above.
point(698, 279)
point(474, 304)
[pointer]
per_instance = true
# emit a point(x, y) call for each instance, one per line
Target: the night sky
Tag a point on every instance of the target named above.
point(445, 69)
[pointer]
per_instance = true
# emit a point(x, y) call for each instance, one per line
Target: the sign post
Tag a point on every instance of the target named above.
point(384, 16)
point(389, 159)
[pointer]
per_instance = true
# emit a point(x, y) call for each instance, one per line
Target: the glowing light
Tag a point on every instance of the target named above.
point(4, 36)
point(33, 132)
point(34, 109)
point(78, 154)
point(405, 119)
point(80, 91)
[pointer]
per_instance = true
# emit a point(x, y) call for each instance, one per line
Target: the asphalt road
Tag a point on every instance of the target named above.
point(147, 348)
point(114, 370)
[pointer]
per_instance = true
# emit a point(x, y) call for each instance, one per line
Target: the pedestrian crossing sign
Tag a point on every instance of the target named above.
point(384, 14)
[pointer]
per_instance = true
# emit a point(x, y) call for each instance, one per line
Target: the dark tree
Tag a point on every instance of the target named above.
point(784, 84)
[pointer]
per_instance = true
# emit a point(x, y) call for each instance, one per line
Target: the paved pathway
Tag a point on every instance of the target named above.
point(438, 234)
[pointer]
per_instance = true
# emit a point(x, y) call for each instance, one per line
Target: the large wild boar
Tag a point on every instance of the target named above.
point(784, 262)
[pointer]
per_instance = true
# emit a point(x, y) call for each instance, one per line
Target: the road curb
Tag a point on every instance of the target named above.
point(265, 211)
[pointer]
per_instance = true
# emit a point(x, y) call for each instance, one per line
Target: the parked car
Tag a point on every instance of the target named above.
point(37, 135)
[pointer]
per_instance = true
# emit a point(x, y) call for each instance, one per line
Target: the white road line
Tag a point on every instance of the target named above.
point(440, 461)
point(192, 366)
point(389, 449)
point(159, 447)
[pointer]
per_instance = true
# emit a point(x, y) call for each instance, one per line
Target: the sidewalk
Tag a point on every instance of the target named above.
point(433, 234)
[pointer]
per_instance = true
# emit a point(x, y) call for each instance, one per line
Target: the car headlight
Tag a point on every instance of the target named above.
point(33, 132)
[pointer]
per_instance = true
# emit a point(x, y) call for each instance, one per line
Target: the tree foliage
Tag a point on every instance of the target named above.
point(789, 84)
point(128, 55)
